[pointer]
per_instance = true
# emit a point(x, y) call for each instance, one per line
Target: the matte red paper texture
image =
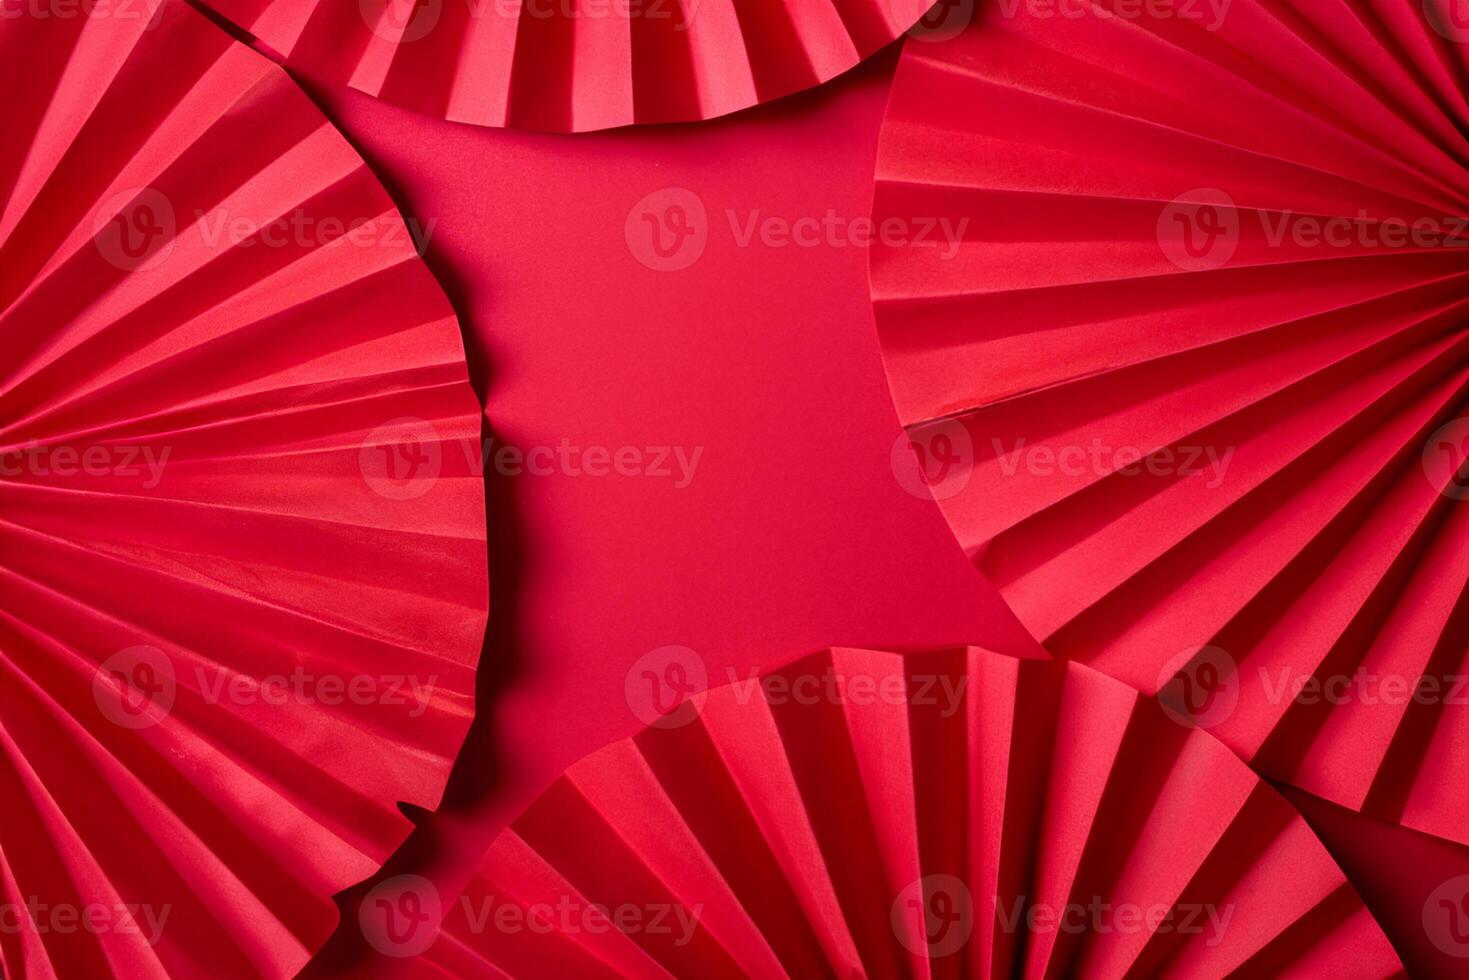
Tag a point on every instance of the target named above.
point(947, 814)
point(575, 65)
point(242, 603)
point(1192, 392)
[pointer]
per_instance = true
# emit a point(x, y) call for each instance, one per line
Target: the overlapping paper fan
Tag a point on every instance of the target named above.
point(1186, 361)
point(242, 559)
point(949, 814)
point(577, 65)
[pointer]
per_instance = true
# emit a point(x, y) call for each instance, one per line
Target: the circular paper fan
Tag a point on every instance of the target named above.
point(872, 814)
point(1189, 369)
point(238, 625)
point(576, 65)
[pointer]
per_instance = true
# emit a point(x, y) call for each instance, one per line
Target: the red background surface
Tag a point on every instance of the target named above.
point(794, 534)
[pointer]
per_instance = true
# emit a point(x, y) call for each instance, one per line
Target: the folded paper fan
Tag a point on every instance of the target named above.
point(243, 573)
point(1187, 369)
point(576, 65)
point(946, 814)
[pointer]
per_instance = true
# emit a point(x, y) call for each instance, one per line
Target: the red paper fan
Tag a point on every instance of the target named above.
point(240, 615)
point(1190, 381)
point(871, 814)
point(577, 65)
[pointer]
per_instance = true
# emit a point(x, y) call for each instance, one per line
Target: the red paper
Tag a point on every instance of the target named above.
point(1191, 385)
point(242, 603)
point(949, 814)
point(574, 65)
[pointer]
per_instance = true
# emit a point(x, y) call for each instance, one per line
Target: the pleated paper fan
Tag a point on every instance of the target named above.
point(947, 814)
point(576, 65)
point(1188, 372)
point(242, 558)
